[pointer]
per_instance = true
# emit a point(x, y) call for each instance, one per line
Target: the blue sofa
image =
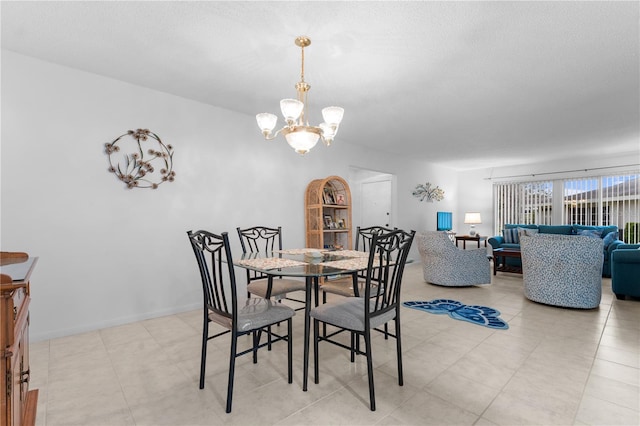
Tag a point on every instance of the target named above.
point(625, 270)
point(510, 239)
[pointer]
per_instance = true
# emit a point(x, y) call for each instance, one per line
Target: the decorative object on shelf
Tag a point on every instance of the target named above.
point(472, 219)
point(426, 192)
point(141, 155)
point(299, 135)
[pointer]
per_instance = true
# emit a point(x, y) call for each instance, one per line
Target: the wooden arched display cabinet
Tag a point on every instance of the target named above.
point(328, 213)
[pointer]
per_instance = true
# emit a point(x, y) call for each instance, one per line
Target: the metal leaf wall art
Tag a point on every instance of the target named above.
point(140, 159)
point(427, 193)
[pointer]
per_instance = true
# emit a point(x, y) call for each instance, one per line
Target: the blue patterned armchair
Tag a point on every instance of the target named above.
point(562, 270)
point(445, 264)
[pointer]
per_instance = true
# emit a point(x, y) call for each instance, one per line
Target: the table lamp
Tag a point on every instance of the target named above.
point(472, 219)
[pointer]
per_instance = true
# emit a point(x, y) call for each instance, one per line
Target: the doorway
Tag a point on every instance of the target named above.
point(373, 194)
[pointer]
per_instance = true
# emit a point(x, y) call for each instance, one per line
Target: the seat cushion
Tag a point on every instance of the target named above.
point(280, 286)
point(344, 287)
point(341, 286)
point(255, 314)
point(349, 313)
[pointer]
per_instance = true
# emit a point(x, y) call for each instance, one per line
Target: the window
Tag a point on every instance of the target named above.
point(593, 201)
point(605, 200)
point(523, 203)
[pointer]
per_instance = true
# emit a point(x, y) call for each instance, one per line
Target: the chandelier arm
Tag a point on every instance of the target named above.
point(274, 135)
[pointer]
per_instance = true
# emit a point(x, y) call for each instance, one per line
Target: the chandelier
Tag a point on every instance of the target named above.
point(297, 131)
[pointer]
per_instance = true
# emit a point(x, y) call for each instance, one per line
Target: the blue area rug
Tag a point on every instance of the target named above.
point(480, 315)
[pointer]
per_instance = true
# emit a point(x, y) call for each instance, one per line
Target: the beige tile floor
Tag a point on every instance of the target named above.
point(553, 366)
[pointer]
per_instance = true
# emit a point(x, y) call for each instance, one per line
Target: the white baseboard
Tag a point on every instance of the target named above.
point(84, 328)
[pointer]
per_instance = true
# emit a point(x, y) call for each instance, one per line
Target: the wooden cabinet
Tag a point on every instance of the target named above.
point(328, 213)
point(18, 403)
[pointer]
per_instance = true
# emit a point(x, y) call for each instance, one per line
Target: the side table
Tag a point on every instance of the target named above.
point(503, 253)
point(465, 238)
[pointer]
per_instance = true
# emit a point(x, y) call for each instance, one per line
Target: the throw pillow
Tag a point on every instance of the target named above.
point(528, 232)
point(609, 238)
point(511, 236)
point(589, 233)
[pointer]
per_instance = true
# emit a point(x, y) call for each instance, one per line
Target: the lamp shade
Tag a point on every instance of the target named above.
point(266, 122)
point(302, 140)
point(291, 109)
point(472, 218)
point(328, 133)
point(333, 115)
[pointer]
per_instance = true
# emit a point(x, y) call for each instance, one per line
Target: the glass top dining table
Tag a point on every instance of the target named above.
point(310, 264)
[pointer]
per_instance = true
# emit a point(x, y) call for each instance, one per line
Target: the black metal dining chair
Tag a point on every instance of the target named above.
point(345, 286)
point(264, 239)
point(222, 306)
point(379, 304)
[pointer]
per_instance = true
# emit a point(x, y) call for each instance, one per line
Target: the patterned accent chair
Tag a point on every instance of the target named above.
point(562, 270)
point(445, 264)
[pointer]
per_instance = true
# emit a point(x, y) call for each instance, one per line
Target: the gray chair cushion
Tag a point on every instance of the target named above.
point(255, 314)
point(280, 286)
point(349, 313)
point(341, 286)
point(344, 287)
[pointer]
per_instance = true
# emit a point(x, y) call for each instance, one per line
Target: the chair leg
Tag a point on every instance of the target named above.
point(256, 341)
point(316, 338)
point(203, 354)
point(353, 346)
point(290, 349)
point(367, 343)
point(269, 337)
point(232, 367)
point(324, 324)
point(399, 352)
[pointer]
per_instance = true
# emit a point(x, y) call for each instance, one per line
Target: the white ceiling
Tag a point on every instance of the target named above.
point(464, 84)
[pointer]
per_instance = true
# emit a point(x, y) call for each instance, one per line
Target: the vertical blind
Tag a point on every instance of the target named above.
point(605, 200)
point(594, 201)
point(522, 203)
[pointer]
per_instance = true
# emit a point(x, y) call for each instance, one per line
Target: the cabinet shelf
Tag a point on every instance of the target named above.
point(335, 206)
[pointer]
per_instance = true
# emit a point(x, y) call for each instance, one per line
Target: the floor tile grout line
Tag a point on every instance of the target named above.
point(115, 372)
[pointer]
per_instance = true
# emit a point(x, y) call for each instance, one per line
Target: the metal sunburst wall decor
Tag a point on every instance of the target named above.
point(427, 193)
point(140, 159)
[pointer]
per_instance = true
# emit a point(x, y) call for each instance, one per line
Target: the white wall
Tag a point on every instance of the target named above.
point(109, 255)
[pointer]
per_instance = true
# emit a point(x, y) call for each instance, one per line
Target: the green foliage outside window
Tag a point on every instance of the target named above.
point(631, 233)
